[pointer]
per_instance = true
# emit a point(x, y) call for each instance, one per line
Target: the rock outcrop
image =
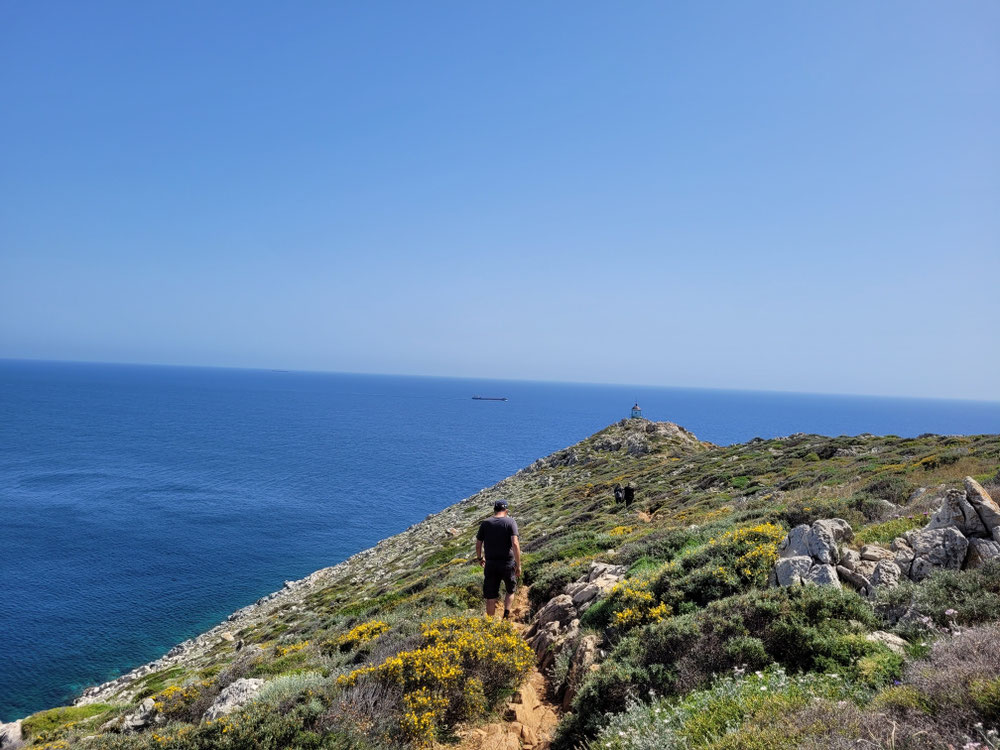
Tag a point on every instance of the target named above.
point(812, 554)
point(144, 716)
point(234, 696)
point(963, 533)
point(10, 735)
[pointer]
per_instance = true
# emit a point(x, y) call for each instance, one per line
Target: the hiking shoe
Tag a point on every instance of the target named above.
point(506, 614)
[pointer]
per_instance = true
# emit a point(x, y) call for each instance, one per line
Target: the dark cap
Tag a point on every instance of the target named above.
point(499, 505)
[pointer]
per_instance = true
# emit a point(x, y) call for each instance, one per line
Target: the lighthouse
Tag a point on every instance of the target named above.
point(636, 411)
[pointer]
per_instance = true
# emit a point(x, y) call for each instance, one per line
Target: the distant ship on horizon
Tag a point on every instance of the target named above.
point(489, 398)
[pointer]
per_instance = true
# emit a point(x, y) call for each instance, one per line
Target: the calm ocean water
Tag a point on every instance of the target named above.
point(141, 505)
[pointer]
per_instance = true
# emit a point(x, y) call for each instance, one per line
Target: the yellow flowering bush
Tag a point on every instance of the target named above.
point(752, 549)
point(632, 604)
point(462, 668)
point(621, 531)
point(725, 565)
point(290, 648)
point(175, 700)
point(361, 634)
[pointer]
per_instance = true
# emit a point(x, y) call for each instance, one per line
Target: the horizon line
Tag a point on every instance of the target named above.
point(512, 380)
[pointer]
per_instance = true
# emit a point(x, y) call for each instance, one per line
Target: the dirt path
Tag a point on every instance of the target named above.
point(530, 718)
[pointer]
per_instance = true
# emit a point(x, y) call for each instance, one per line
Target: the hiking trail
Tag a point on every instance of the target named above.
point(530, 719)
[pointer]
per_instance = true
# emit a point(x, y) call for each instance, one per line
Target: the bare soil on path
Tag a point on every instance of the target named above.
point(530, 718)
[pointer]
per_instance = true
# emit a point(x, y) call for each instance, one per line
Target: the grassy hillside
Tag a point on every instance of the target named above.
point(389, 650)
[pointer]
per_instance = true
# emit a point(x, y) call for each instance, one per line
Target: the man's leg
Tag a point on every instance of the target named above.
point(491, 607)
point(507, 601)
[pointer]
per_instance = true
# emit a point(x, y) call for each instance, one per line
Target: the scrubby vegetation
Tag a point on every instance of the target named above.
point(699, 652)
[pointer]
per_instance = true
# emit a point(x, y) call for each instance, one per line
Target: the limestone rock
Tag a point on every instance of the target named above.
point(936, 548)
point(875, 553)
point(585, 657)
point(891, 641)
point(791, 571)
point(849, 558)
point(796, 543)
point(985, 507)
point(903, 554)
point(822, 575)
point(810, 554)
point(981, 550)
point(599, 570)
point(559, 609)
point(886, 574)
point(855, 579)
point(958, 512)
point(234, 696)
point(11, 735)
point(141, 718)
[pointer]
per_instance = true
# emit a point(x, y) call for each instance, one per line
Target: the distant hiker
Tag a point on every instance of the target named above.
point(629, 495)
point(619, 494)
point(502, 561)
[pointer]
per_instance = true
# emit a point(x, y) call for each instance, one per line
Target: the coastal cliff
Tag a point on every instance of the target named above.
point(804, 591)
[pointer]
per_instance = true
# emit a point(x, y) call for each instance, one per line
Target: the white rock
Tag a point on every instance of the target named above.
point(886, 574)
point(891, 641)
point(10, 734)
point(233, 697)
point(936, 549)
point(985, 506)
point(822, 575)
point(980, 551)
point(791, 571)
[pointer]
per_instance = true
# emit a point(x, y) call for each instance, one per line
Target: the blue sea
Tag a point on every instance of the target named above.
point(141, 505)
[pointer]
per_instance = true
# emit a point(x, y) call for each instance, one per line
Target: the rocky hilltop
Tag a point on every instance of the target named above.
point(804, 591)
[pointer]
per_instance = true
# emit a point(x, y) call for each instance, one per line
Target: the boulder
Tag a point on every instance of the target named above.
point(849, 558)
point(936, 549)
point(11, 735)
point(866, 568)
point(233, 696)
point(824, 539)
point(958, 512)
point(886, 574)
point(559, 609)
point(791, 571)
point(796, 543)
point(875, 553)
point(893, 642)
point(822, 575)
point(985, 507)
point(139, 719)
point(857, 580)
point(811, 554)
point(981, 550)
point(600, 570)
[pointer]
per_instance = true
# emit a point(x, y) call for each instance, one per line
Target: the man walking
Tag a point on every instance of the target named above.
point(502, 561)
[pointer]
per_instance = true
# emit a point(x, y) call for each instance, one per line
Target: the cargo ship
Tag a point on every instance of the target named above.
point(489, 398)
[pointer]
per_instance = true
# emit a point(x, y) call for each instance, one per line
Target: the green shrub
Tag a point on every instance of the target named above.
point(47, 723)
point(883, 533)
point(974, 595)
point(659, 545)
point(550, 580)
point(986, 695)
point(733, 712)
point(733, 561)
point(892, 488)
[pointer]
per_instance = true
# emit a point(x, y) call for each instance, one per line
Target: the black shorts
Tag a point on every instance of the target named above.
point(493, 573)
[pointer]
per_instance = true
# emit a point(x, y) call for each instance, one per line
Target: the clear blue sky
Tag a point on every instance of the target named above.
point(780, 195)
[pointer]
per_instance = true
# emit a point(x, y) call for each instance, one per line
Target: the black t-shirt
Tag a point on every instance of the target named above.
point(496, 534)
